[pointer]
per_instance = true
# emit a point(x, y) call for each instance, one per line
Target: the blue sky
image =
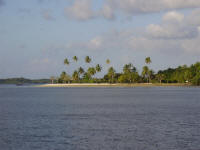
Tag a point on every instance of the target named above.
point(36, 35)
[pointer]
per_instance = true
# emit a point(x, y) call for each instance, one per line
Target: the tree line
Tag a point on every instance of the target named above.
point(22, 80)
point(130, 74)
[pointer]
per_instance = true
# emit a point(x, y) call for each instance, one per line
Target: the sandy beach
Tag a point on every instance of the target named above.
point(111, 85)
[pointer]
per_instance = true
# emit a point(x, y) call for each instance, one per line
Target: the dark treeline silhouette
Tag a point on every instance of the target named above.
point(130, 74)
point(22, 80)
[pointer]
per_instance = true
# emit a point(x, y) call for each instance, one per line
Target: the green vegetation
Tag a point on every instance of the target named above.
point(182, 74)
point(189, 75)
point(23, 81)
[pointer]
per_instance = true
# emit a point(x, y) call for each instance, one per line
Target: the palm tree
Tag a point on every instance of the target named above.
point(63, 74)
point(75, 58)
point(75, 76)
point(66, 61)
point(87, 59)
point(91, 71)
point(129, 72)
point(81, 70)
point(129, 68)
point(150, 74)
point(148, 60)
point(111, 74)
point(126, 68)
point(107, 61)
point(145, 72)
point(98, 68)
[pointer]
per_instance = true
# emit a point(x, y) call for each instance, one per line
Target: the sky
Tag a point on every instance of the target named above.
point(36, 35)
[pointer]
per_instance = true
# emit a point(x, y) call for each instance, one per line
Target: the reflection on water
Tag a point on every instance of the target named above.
point(157, 118)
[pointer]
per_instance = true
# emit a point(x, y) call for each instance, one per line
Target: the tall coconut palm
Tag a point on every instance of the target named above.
point(128, 68)
point(63, 74)
point(75, 58)
point(150, 74)
point(111, 74)
point(91, 71)
point(129, 72)
point(81, 70)
point(108, 61)
point(148, 60)
point(75, 76)
point(66, 61)
point(88, 59)
point(98, 68)
point(145, 72)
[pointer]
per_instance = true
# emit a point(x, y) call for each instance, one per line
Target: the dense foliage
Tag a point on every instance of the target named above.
point(23, 81)
point(181, 74)
point(130, 74)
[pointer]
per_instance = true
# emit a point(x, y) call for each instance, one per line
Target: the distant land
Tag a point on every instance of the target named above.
point(24, 81)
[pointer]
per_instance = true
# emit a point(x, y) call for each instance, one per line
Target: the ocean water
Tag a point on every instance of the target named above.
point(151, 118)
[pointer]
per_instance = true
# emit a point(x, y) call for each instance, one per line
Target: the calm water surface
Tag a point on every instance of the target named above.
point(157, 118)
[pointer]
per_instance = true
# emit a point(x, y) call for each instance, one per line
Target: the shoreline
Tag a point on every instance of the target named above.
point(115, 85)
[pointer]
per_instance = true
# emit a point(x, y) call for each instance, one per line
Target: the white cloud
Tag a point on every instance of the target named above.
point(171, 31)
point(173, 16)
point(83, 9)
point(173, 35)
point(144, 6)
point(80, 10)
point(174, 26)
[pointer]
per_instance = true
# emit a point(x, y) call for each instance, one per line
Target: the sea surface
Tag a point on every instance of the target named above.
point(139, 118)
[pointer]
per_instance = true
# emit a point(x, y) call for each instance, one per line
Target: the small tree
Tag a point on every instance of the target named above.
point(160, 77)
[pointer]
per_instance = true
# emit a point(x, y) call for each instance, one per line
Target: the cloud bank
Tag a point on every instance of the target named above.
point(174, 26)
point(144, 6)
point(83, 9)
point(176, 33)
